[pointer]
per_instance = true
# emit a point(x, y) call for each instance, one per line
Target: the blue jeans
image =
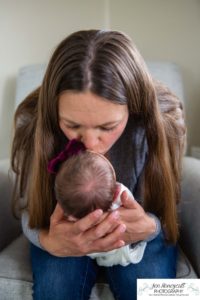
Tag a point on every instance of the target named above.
point(72, 278)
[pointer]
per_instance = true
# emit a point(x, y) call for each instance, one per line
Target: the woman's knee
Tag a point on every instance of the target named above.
point(61, 278)
point(159, 261)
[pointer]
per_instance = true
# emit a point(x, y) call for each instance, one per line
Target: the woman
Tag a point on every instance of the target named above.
point(98, 90)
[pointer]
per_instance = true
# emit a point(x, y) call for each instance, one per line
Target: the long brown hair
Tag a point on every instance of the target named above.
point(108, 64)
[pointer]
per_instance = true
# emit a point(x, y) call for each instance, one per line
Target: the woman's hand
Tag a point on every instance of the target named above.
point(94, 233)
point(139, 225)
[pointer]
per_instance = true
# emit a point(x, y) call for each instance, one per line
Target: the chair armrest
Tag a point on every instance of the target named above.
point(189, 211)
point(10, 227)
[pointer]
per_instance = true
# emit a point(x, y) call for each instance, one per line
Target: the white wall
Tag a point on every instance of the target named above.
point(167, 30)
point(29, 31)
point(162, 29)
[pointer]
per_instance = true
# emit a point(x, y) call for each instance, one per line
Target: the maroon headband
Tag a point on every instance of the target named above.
point(73, 147)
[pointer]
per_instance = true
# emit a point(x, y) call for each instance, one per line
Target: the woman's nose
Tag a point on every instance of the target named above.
point(90, 140)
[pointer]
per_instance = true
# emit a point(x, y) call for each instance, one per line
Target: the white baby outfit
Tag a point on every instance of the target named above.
point(125, 255)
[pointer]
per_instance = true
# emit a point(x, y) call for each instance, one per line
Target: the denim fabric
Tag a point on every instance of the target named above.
point(55, 278)
point(159, 261)
point(72, 278)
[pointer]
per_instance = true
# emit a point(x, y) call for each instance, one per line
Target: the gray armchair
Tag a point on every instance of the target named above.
point(15, 270)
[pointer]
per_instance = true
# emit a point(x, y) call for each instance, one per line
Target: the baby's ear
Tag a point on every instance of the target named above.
point(117, 191)
point(71, 218)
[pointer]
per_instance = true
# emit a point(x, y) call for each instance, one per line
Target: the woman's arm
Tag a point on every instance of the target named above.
point(140, 226)
point(94, 233)
point(31, 234)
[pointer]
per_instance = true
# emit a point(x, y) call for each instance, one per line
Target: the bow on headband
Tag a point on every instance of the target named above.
point(73, 147)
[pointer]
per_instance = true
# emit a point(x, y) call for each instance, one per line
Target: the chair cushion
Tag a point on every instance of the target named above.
point(13, 228)
point(184, 268)
point(168, 73)
point(30, 77)
point(16, 276)
point(189, 211)
point(15, 272)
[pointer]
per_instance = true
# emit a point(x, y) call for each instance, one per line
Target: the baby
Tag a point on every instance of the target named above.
point(84, 182)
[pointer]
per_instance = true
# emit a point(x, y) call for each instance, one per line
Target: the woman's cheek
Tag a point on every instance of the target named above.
point(114, 135)
point(110, 140)
point(68, 133)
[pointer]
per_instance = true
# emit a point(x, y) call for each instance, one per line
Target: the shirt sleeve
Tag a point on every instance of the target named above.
point(158, 228)
point(31, 234)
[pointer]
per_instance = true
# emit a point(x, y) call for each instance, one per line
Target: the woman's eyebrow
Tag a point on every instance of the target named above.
point(104, 124)
point(68, 120)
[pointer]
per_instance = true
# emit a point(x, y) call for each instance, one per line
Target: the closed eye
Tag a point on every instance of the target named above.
point(73, 126)
point(107, 129)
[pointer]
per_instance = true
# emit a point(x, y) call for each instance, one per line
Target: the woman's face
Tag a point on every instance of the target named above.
point(95, 121)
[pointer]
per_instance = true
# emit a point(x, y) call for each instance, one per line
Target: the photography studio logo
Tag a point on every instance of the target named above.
point(168, 289)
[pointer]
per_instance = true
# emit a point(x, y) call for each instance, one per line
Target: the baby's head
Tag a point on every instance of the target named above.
point(84, 183)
